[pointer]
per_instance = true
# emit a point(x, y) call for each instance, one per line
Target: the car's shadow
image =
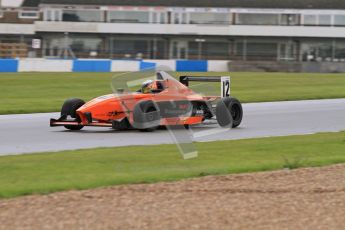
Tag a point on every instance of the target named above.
point(194, 128)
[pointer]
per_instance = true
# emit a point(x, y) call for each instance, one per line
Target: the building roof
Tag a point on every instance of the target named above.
point(289, 4)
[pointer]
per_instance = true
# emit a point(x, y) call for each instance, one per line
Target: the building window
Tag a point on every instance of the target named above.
point(287, 51)
point(317, 51)
point(240, 50)
point(128, 17)
point(339, 20)
point(325, 20)
point(86, 45)
point(52, 15)
point(209, 18)
point(81, 46)
point(180, 18)
point(256, 50)
point(315, 20)
point(262, 51)
point(208, 50)
point(340, 51)
point(163, 17)
point(289, 19)
point(156, 49)
point(1, 13)
point(82, 16)
point(130, 48)
point(257, 19)
point(29, 14)
point(309, 20)
point(159, 17)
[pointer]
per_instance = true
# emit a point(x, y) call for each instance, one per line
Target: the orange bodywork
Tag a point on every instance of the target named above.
point(108, 108)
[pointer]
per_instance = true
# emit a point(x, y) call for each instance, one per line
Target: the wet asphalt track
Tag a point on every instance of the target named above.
point(30, 133)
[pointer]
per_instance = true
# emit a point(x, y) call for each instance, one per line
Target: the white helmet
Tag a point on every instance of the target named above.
point(145, 87)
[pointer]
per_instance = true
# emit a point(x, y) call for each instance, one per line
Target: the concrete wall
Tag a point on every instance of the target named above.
point(263, 66)
point(8, 65)
point(271, 66)
point(218, 66)
point(191, 66)
point(121, 66)
point(39, 65)
point(166, 65)
point(97, 65)
point(106, 65)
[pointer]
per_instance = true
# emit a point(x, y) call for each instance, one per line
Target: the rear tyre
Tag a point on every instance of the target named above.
point(229, 112)
point(146, 116)
point(69, 108)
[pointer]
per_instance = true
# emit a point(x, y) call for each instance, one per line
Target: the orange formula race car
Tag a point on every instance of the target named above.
point(164, 101)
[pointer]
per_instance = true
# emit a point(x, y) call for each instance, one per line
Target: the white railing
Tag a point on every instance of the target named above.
point(173, 29)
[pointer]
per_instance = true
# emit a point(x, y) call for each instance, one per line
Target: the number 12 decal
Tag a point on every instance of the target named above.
point(225, 86)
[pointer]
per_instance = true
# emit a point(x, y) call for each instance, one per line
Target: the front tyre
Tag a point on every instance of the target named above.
point(69, 108)
point(146, 116)
point(229, 112)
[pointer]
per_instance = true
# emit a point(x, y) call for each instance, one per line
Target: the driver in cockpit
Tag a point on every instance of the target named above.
point(148, 86)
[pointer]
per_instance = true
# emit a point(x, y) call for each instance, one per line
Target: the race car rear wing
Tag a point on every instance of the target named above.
point(225, 82)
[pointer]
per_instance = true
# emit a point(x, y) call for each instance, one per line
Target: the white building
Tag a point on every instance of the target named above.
point(291, 30)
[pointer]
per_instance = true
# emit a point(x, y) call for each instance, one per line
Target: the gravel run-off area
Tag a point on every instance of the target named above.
point(310, 198)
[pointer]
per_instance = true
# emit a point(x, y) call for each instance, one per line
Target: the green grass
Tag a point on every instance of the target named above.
point(45, 92)
point(83, 169)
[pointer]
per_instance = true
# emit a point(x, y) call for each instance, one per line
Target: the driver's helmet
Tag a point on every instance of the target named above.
point(147, 86)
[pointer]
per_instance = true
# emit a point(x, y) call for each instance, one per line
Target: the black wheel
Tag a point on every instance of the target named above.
point(69, 108)
point(229, 112)
point(146, 116)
